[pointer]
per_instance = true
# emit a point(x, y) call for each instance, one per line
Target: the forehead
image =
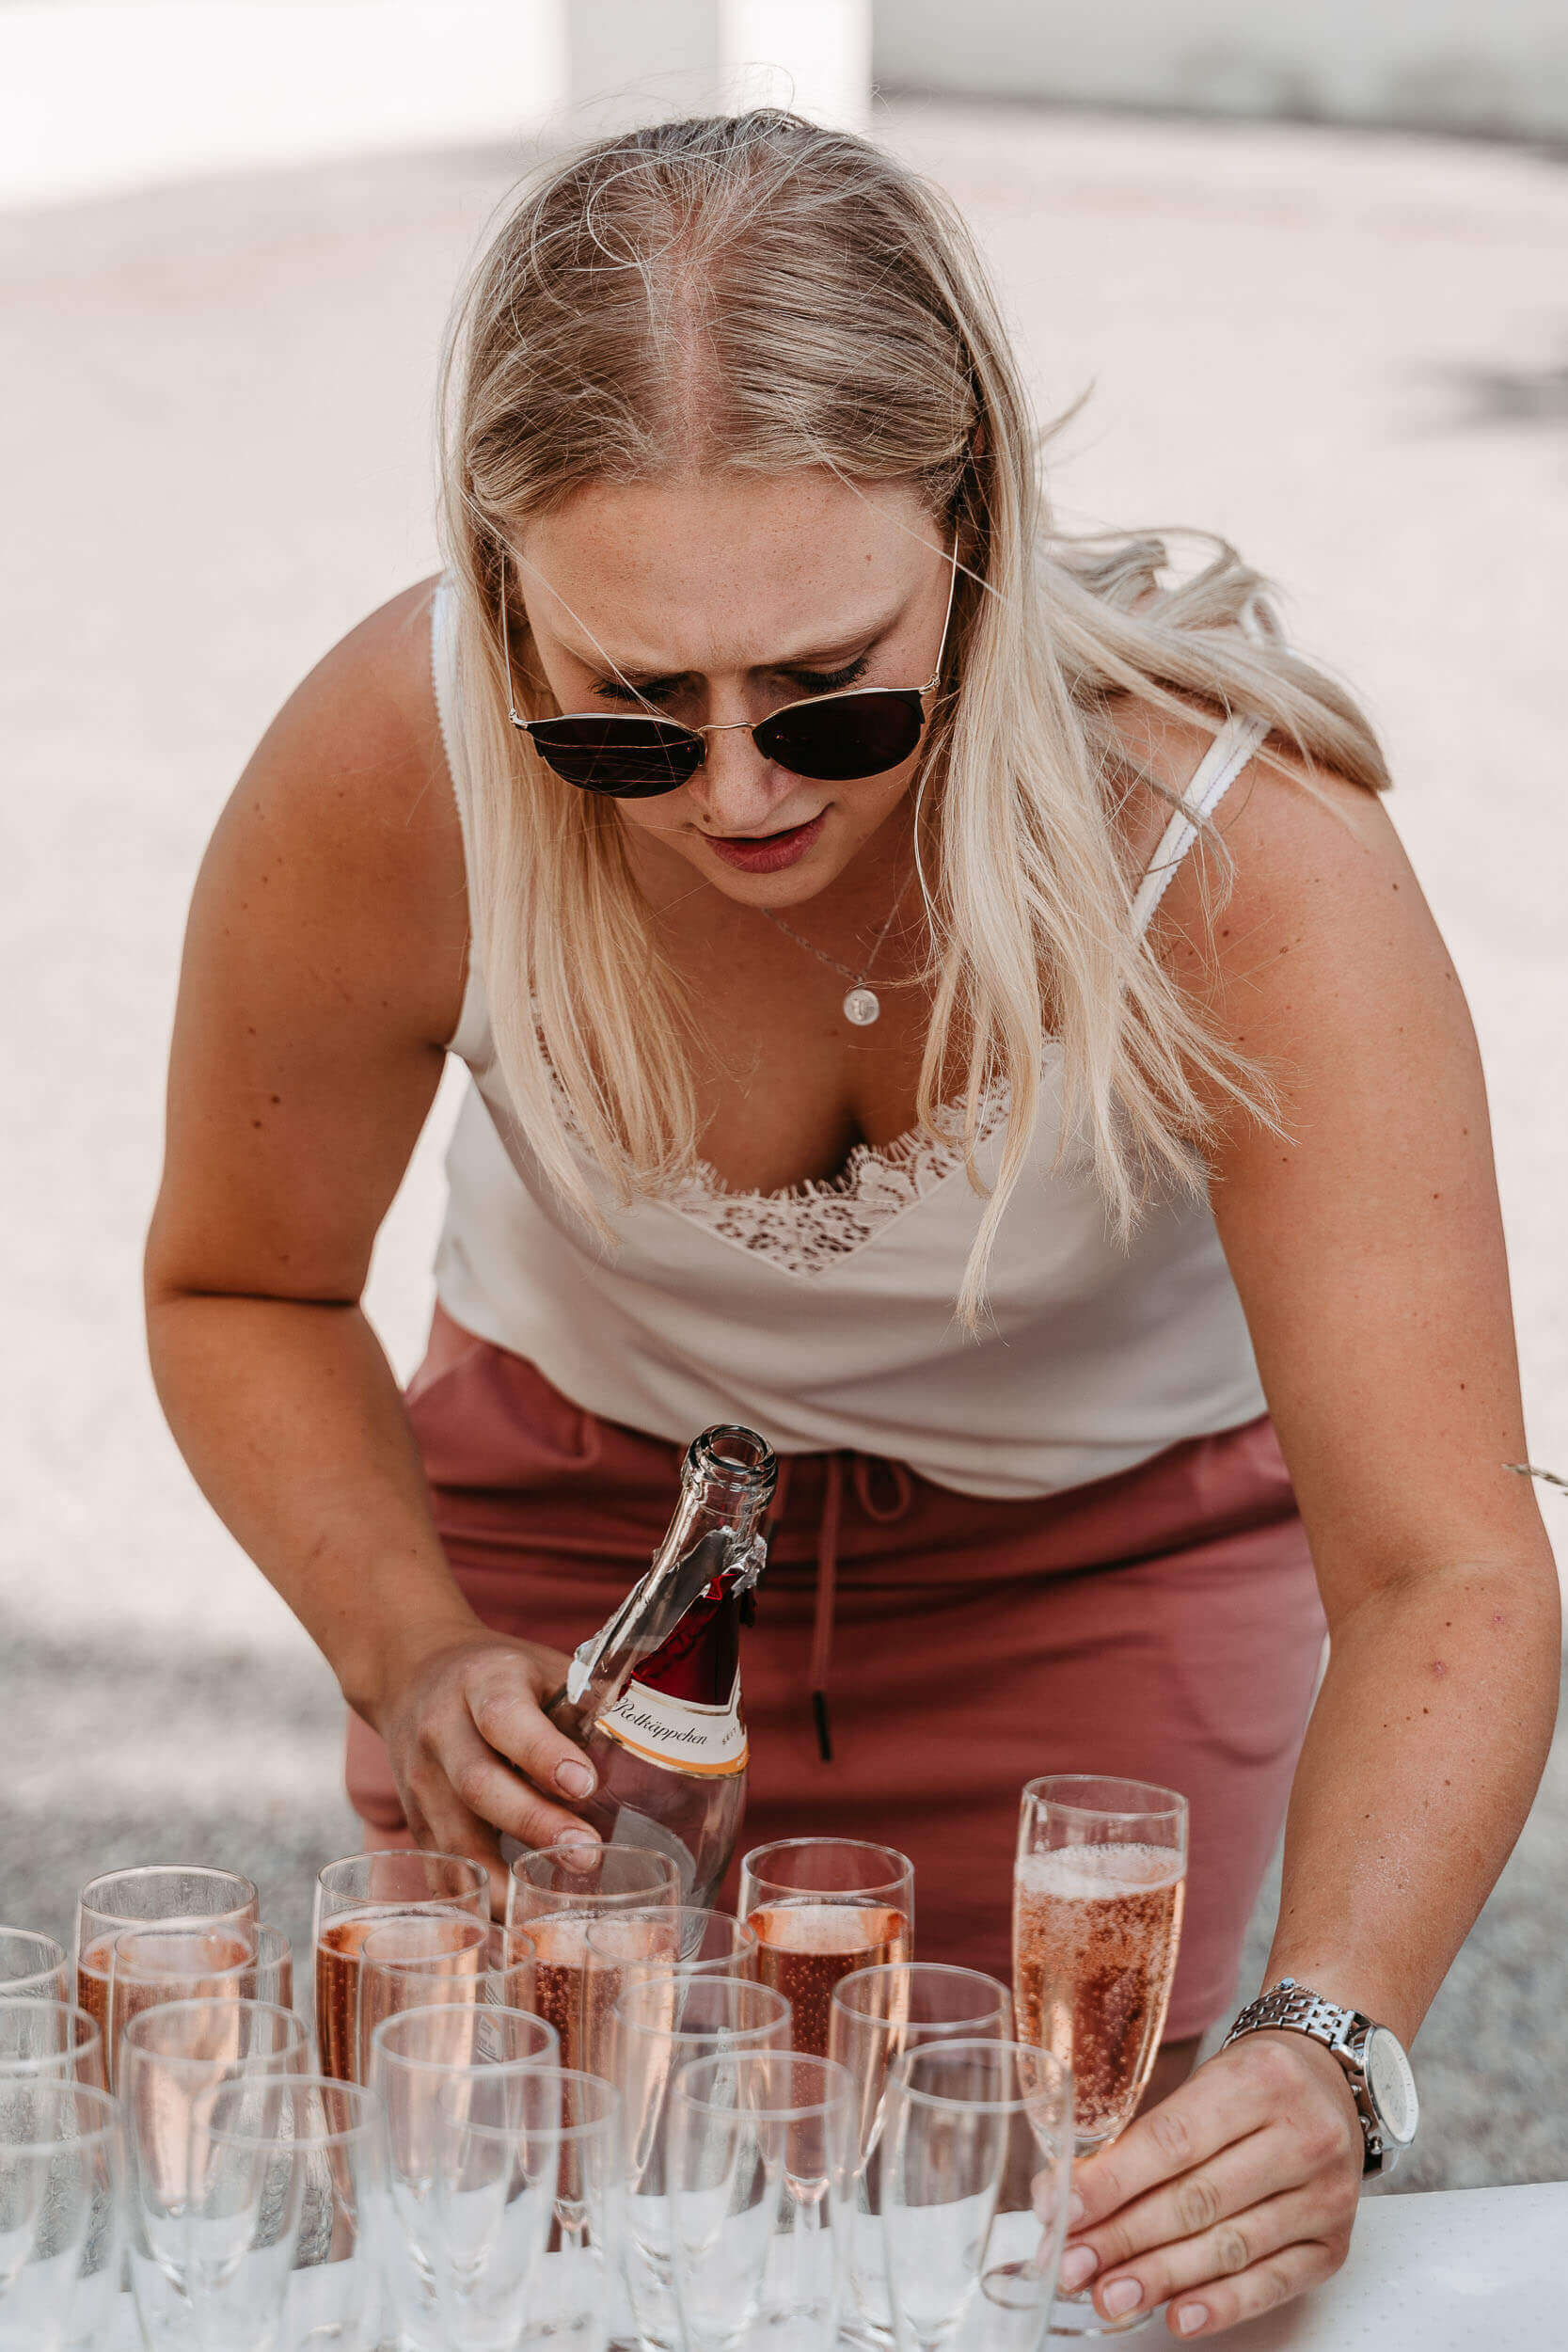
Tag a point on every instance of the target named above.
point(721, 572)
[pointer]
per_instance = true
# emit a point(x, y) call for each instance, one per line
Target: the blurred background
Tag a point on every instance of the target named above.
point(1311, 263)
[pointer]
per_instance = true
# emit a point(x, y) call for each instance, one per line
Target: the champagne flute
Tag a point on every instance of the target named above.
point(32, 1967)
point(629, 1946)
point(761, 2164)
point(170, 2054)
point(878, 2015)
point(656, 2028)
point(1097, 1892)
point(151, 1894)
point(554, 1893)
point(355, 1895)
point(61, 2214)
point(49, 2040)
point(821, 1908)
point(284, 2225)
point(411, 1962)
point(971, 2127)
point(149, 1965)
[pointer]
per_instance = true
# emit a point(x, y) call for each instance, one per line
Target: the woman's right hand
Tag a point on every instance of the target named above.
point(472, 1752)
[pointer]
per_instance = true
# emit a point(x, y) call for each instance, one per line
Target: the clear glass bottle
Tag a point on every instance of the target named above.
point(654, 1698)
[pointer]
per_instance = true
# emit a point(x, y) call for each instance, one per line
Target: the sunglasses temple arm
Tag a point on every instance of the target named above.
point(935, 679)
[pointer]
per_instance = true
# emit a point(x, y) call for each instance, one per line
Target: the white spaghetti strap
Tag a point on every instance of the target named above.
point(1218, 770)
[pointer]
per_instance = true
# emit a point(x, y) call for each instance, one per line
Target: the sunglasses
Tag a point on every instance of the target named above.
point(833, 738)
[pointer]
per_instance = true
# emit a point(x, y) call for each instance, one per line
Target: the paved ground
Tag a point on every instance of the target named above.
point(1349, 353)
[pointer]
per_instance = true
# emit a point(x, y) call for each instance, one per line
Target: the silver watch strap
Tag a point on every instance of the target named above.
point(1296, 2009)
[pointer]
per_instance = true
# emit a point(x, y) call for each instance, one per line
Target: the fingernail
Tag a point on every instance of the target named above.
point(576, 1837)
point(1191, 2317)
point(575, 1778)
point(1079, 2264)
point(1074, 2211)
point(1121, 2296)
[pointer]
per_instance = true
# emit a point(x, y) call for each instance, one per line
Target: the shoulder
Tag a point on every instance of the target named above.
point(342, 830)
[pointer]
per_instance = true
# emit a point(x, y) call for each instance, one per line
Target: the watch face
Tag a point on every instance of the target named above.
point(1392, 2086)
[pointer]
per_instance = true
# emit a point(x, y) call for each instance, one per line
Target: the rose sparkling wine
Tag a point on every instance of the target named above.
point(654, 1698)
point(1095, 1930)
point(806, 1949)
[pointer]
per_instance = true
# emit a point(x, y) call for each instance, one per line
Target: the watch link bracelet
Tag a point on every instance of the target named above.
point(1376, 2067)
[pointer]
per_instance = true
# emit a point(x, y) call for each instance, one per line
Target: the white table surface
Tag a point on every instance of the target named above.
point(1463, 2270)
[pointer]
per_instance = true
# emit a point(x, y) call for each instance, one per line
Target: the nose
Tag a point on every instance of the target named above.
point(735, 789)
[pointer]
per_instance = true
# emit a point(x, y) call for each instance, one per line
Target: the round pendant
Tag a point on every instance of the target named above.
point(862, 1005)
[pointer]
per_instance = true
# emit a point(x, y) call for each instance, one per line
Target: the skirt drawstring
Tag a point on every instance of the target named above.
point(862, 1468)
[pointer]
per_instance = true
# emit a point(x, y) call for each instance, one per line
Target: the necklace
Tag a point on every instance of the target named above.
point(862, 1005)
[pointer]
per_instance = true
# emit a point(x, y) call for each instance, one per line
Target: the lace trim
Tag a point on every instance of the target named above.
point(807, 1229)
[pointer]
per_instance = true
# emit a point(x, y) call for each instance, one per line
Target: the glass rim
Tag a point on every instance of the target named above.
point(606, 2119)
point(518, 1872)
point(401, 1853)
point(853, 1845)
point(1173, 1805)
point(47, 1943)
point(115, 1973)
point(106, 2130)
point(14, 2069)
point(491, 2010)
point(655, 1914)
point(839, 2086)
point(356, 2094)
point(928, 1969)
point(142, 1870)
point(1058, 2083)
point(296, 2038)
point(764, 1994)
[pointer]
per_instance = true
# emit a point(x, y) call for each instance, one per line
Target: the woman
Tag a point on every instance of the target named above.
point(1022, 1079)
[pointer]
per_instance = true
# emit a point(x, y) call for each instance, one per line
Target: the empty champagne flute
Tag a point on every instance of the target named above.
point(33, 1967)
point(821, 1908)
point(285, 2221)
point(170, 2055)
point(415, 2057)
point(762, 2166)
point(49, 2040)
point(1098, 1890)
point(526, 2215)
point(358, 1894)
point(152, 1895)
point(60, 2212)
point(878, 2015)
point(149, 1966)
point(623, 1947)
point(411, 1962)
point(978, 2143)
point(656, 2028)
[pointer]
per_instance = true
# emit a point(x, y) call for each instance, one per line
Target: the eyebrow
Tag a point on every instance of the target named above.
point(849, 646)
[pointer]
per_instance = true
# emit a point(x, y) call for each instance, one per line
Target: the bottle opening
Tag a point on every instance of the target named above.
point(736, 1455)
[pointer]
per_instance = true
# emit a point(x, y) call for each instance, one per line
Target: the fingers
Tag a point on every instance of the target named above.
point(488, 1790)
point(508, 1719)
point(1258, 2288)
point(1263, 2164)
point(1245, 2242)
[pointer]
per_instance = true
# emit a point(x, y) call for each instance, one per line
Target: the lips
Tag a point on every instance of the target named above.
point(768, 852)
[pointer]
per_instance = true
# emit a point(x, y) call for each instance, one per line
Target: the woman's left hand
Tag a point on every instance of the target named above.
point(1230, 2196)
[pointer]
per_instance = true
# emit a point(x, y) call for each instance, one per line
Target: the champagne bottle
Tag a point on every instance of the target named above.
point(654, 1698)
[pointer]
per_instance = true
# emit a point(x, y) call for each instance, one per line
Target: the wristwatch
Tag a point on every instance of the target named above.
point(1377, 2068)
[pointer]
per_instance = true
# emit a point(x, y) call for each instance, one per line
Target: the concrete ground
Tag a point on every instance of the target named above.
point(1346, 352)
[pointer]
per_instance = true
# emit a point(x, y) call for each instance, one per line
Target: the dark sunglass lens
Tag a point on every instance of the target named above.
point(628, 759)
point(845, 736)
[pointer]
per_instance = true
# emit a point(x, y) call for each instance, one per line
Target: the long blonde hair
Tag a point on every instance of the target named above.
point(756, 292)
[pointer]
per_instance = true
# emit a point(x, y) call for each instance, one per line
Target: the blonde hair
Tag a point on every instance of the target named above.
point(757, 292)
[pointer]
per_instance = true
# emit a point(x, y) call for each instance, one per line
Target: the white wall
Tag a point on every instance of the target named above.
point(1480, 65)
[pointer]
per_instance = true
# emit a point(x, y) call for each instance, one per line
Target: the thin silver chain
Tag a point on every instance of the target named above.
point(856, 980)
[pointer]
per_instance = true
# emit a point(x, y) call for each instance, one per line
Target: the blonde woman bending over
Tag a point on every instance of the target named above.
point(951, 998)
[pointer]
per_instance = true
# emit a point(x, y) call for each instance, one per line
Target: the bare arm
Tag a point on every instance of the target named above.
point(1367, 1250)
point(324, 969)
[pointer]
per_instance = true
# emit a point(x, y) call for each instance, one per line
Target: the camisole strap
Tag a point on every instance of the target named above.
point(470, 1040)
point(1218, 770)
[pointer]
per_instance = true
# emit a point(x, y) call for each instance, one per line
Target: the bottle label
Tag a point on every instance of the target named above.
point(682, 1735)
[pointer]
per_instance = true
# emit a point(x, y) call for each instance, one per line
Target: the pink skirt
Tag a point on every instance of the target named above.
point(1162, 1625)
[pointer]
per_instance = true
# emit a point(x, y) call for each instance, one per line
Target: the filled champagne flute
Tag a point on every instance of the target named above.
point(1098, 1890)
point(360, 1893)
point(49, 2041)
point(151, 1965)
point(821, 1908)
point(32, 1967)
point(554, 1896)
point(151, 1894)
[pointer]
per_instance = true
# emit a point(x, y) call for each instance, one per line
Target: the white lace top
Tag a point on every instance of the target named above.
point(823, 1316)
